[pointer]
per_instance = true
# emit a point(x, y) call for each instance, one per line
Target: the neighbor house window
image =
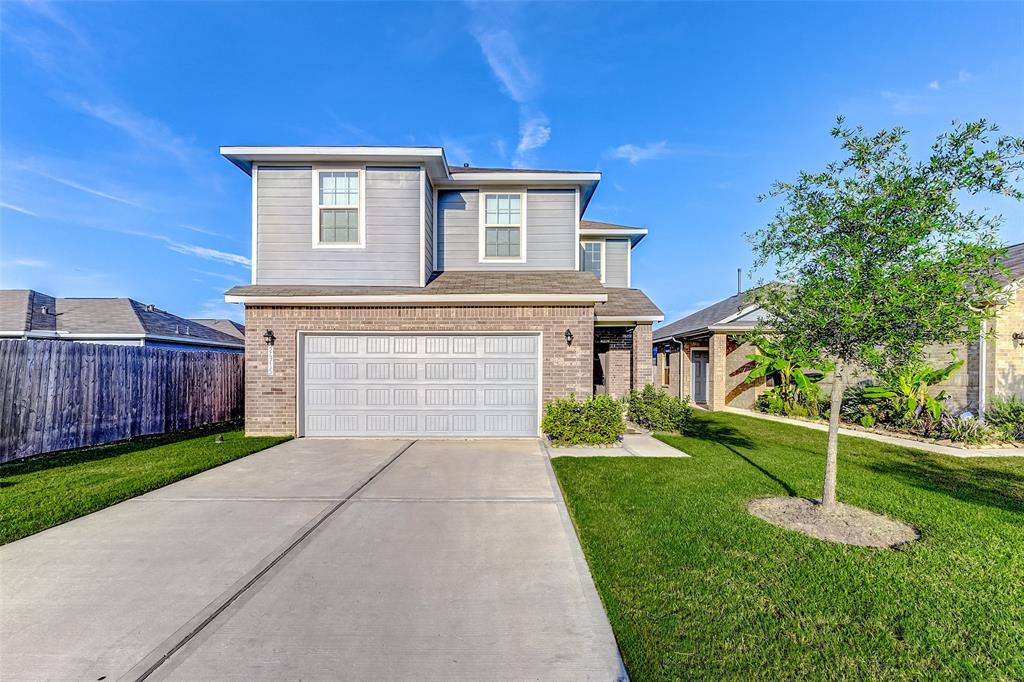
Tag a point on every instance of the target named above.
point(665, 370)
point(338, 220)
point(502, 227)
point(593, 258)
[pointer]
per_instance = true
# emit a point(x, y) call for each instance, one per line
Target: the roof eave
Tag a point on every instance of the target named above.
point(433, 158)
point(413, 299)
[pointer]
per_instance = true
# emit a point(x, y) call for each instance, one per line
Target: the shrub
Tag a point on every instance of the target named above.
point(866, 420)
point(594, 421)
point(656, 410)
point(1006, 416)
point(771, 402)
point(967, 430)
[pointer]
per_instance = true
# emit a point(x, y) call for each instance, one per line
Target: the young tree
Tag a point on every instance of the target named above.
point(875, 256)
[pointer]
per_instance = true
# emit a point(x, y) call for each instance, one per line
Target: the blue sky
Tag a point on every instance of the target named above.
point(112, 115)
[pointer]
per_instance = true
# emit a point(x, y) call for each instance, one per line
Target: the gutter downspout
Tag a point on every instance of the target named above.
point(680, 379)
point(982, 371)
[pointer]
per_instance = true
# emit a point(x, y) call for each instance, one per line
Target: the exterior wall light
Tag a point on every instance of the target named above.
point(568, 337)
point(1018, 339)
point(269, 337)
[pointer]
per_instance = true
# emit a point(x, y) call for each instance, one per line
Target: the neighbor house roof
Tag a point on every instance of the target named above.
point(1014, 262)
point(453, 287)
point(229, 327)
point(625, 305)
point(124, 318)
point(702, 320)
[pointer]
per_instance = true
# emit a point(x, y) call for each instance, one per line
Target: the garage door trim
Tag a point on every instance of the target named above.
point(300, 362)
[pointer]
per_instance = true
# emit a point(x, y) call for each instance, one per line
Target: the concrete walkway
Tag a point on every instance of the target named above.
point(317, 560)
point(633, 445)
point(965, 453)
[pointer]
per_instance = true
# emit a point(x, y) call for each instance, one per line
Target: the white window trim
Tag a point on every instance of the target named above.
point(482, 234)
point(604, 261)
point(360, 208)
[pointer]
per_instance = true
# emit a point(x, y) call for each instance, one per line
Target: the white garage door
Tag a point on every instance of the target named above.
point(420, 385)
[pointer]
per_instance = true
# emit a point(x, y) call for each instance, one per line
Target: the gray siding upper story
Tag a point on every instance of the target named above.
point(284, 251)
point(428, 214)
point(616, 253)
point(550, 231)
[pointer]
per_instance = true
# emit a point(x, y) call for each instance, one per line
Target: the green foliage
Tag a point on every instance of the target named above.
point(656, 410)
point(875, 255)
point(809, 403)
point(907, 390)
point(771, 402)
point(966, 430)
point(795, 368)
point(594, 421)
point(867, 421)
point(1006, 416)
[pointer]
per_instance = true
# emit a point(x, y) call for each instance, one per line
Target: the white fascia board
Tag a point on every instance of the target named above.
point(524, 178)
point(191, 340)
point(612, 232)
point(628, 318)
point(743, 311)
point(417, 299)
point(741, 327)
point(433, 158)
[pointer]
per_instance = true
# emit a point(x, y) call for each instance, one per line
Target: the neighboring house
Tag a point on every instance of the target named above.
point(229, 327)
point(403, 296)
point(28, 314)
point(701, 355)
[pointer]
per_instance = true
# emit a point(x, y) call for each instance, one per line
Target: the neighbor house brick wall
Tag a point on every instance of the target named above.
point(643, 371)
point(738, 393)
point(1006, 358)
point(270, 401)
point(620, 351)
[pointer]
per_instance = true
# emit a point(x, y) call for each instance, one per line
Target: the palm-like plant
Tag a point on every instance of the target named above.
point(795, 367)
point(908, 389)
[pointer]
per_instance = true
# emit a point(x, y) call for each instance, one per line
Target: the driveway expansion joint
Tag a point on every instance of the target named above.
point(151, 662)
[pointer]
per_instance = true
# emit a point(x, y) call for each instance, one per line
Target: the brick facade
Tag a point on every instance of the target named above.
point(270, 401)
point(643, 371)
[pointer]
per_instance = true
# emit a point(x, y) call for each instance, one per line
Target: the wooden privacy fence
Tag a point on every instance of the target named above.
point(59, 394)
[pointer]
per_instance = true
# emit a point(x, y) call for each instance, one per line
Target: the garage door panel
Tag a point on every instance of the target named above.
point(464, 385)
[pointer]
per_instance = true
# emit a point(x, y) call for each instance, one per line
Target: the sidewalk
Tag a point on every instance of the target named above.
point(633, 445)
point(963, 453)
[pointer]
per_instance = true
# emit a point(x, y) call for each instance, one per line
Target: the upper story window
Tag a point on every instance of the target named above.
point(338, 212)
point(503, 227)
point(593, 258)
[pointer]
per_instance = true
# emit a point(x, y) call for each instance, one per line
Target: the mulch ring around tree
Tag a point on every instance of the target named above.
point(842, 523)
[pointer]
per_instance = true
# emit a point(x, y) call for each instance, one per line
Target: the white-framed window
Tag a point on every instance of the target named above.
point(338, 208)
point(593, 257)
point(503, 227)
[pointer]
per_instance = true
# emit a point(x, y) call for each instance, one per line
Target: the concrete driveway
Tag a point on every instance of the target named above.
point(317, 560)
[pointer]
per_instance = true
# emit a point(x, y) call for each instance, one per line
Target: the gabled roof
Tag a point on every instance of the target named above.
point(46, 316)
point(229, 327)
point(722, 312)
point(1014, 262)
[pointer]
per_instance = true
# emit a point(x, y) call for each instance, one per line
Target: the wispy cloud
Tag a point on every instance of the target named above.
point(635, 153)
point(456, 150)
point(27, 263)
point(202, 230)
point(234, 279)
point(146, 131)
point(521, 84)
point(216, 308)
point(81, 187)
point(934, 85)
point(17, 209)
point(205, 252)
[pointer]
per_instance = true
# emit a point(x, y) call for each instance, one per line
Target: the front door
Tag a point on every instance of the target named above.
point(699, 358)
point(600, 365)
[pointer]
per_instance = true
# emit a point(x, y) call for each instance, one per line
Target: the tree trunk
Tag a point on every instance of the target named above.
point(828, 492)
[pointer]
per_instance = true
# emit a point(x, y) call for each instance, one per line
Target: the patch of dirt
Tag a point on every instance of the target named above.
point(842, 523)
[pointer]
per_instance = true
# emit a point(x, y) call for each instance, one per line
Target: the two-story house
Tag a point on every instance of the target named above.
point(393, 294)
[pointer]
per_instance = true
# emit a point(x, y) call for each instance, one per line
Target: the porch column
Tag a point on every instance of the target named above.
point(685, 371)
point(716, 371)
point(643, 371)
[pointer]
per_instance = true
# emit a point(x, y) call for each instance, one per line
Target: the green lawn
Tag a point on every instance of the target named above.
point(48, 490)
point(696, 588)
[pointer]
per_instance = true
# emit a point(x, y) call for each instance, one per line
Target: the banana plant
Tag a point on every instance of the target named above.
point(908, 389)
point(790, 364)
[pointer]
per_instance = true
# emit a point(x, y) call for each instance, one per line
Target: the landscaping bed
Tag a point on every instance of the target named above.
point(696, 587)
point(45, 491)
